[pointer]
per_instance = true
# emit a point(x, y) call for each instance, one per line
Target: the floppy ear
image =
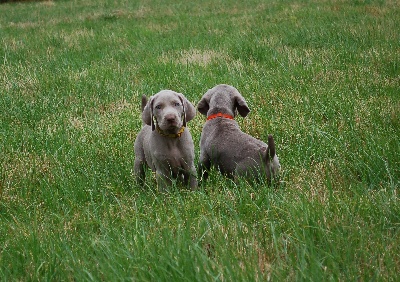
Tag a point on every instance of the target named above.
point(147, 114)
point(189, 112)
point(241, 105)
point(204, 104)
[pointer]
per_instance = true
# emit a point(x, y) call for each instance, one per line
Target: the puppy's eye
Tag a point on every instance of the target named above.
point(177, 104)
point(158, 107)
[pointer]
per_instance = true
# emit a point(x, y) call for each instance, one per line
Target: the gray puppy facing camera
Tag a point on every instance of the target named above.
point(165, 144)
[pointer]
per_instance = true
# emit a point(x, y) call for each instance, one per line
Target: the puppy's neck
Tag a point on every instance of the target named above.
point(219, 115)
point(170, 135)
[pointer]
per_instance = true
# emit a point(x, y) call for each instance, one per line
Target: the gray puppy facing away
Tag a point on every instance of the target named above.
point(225, 146)
point(165, 144)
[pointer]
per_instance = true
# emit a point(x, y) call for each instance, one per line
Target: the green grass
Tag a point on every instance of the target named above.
point(322, 76)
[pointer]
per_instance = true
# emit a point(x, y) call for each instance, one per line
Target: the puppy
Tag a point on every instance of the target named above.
point(165, 144)
point(225, 146)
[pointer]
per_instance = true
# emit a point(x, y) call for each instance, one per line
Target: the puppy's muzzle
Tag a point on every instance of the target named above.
point(170, 121)
point(170, 118)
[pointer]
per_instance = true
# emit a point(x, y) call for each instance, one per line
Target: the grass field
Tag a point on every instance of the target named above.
point(322, 76)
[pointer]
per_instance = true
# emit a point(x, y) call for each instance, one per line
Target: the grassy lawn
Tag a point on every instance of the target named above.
point(322, 76)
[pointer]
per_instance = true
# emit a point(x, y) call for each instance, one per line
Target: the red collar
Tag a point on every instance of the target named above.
point(219, 115)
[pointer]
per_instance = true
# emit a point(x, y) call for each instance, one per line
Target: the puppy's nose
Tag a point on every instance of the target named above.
point(170, 117)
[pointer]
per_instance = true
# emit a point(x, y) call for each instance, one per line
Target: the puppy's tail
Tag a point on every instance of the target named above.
point(272, 161)
point(271, 148)
point(144, 102)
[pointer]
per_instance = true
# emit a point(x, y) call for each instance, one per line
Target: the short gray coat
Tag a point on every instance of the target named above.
point(170, 157)
point(225, 146)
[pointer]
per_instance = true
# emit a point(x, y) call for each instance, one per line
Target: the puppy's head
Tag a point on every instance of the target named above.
point(224, 99)
point(169, 110)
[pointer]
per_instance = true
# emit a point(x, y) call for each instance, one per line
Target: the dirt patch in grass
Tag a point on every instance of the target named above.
point(193, 57)
point(73, 39)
